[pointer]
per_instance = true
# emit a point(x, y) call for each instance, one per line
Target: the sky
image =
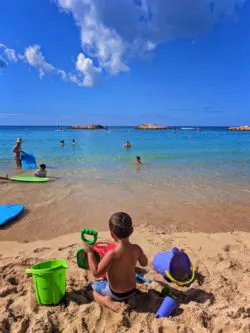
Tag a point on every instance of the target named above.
point(126, 62)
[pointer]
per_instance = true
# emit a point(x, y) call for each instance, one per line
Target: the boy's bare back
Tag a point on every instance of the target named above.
point(121, 272)
point(119, 264)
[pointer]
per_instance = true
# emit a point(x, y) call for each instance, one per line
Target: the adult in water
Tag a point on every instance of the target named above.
point(17, 150)
point(127, 145)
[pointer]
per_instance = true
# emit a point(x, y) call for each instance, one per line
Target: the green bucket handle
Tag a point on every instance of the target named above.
point(91, 232)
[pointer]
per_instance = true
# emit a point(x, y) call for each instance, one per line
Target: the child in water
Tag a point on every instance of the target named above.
point(41, 172)
point(18, 150)
point(119, 264)
point(73, 142)
point(61, 143)
point(138, 160)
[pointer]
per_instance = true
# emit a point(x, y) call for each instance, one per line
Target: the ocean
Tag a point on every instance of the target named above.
point(185, 170)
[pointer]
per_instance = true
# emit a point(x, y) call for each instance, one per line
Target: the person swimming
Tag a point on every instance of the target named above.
point(127, 145)
point(61, 143)
point(138, 160)
point(73, 142)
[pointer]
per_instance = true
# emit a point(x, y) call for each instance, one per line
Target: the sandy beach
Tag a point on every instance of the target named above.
point(217, 301)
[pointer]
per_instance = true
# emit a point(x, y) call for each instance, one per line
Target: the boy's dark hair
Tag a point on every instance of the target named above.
point(138, 157)
point(121, 225)
point(43, 166)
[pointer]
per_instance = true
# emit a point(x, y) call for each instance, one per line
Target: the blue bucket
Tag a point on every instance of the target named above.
point(175, 265)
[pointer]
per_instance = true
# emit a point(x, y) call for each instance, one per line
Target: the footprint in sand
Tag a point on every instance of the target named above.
point(41, 249)
point(67, 247)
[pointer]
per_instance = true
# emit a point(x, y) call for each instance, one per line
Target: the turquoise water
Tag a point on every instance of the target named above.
point(218, 153)
point(189, 181)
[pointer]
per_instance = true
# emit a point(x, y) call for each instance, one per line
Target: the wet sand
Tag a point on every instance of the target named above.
point(65, 206)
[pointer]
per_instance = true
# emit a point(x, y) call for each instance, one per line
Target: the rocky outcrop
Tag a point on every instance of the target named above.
point(152, 127)
point(88, 127)
point(239, 128)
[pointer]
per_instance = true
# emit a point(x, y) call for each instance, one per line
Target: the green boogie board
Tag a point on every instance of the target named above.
point(30, 179)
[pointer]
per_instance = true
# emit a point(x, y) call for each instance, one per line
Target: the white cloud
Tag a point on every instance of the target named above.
point(62, 73)
point(114, 32)
point(35, 58)
point(10, 54)
point(87, 74)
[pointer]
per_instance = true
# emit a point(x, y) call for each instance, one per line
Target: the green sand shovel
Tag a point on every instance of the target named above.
point(81, 255)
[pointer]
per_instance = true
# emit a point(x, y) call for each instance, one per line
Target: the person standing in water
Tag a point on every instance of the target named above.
point(127, 145)
point(17, 150)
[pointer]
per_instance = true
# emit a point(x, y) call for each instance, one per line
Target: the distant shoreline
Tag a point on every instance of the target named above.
point(118, 126)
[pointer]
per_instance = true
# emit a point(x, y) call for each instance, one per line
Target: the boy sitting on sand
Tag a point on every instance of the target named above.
point(119, 264)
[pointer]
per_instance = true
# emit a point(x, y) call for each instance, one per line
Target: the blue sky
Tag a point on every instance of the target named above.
point(158, 61)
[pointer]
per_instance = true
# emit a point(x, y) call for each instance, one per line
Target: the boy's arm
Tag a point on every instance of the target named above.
point(143, 260)
point(98, 269)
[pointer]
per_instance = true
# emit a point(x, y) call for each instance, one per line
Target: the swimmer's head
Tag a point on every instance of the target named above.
point(121, 225)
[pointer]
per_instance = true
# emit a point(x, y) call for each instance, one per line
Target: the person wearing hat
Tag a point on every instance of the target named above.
point(17, 150)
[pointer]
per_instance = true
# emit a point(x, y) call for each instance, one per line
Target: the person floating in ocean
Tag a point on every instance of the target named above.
point(61, 143)
point(119, 264)
point(73, 142)
point(138, 160)
point(41, 172)
point(17, 150)
point(127, 145)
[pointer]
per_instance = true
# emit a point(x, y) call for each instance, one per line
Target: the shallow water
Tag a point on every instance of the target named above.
point(189, 180)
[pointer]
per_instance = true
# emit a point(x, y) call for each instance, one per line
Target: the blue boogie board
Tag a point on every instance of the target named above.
point(9, 212)
point(28, 161)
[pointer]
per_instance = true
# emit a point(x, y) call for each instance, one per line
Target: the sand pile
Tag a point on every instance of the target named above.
point(217, 301)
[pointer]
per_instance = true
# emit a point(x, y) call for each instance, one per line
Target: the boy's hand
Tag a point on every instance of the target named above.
point(87, 248)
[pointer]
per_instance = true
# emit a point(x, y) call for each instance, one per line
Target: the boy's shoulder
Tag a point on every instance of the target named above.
point(137, 247)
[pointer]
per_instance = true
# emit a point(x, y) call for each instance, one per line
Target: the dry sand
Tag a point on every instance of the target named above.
point(217, 301)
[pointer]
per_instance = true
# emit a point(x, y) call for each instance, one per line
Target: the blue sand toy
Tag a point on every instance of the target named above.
point(175, 265)
point(167, 307)
point(139, 277)
point(28, 161)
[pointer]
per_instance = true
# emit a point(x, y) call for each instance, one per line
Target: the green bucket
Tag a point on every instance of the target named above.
point(49, 281)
